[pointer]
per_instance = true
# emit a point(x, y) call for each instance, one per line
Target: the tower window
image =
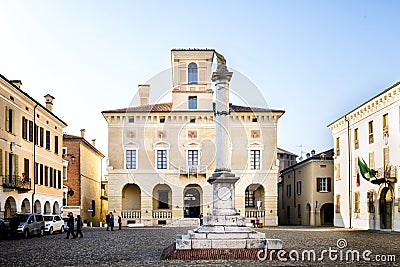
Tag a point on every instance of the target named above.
point(192, 102)
point(192, 73)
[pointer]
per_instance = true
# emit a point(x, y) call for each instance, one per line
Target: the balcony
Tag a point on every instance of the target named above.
point(20, 183)
point(193, 169)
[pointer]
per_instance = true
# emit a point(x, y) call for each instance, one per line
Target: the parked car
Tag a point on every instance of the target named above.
point(30, 224)
point(66, 223)
point(53, 223)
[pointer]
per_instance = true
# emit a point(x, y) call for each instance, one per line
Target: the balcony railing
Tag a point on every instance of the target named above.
point(162, 214)
point(16, 182)
point(255, 213)
point(131, 214)
point(193, 169)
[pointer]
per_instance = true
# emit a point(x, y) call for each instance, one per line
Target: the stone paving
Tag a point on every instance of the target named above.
point(143, 247)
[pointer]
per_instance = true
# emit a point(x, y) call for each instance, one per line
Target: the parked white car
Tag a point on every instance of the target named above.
point(53, 223)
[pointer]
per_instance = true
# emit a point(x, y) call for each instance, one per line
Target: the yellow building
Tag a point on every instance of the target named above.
point(30, 153)
point(306, 191)
point(161, 155)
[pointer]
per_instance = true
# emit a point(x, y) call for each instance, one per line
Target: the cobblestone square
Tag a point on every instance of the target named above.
point(143, 247)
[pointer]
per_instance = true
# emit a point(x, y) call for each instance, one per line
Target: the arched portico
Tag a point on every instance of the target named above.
point(386, 208)
point(47, 207)
point(10, 207)
point(25, 206)
point(37, 208)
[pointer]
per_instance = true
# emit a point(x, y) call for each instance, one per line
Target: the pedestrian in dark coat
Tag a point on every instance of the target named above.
point(111, 221)
point(119, 222)
point(70, 226)
point(108, 220)
point(14, 223)
point(79, 225)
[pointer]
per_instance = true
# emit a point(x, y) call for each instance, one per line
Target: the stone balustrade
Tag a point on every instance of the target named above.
point(162, 214)
point(255, 213)
point(131, 214)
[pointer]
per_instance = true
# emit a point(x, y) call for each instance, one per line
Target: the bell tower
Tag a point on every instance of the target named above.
point(191, 79)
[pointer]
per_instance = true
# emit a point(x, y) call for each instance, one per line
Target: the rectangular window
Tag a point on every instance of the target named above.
point(162, 119)
point(48, 140)
point(289, 190)
point(371, 160)
point(337, 146)
point(192, 102)
point(30, 131)
point(24, 128)
point(385, 123)
point(26, 169)
point(59, 179)
point(10, 120)
point(163, 199)
point(386, 161)
point(161, 159)
point(41, 174)
point(371, 132)
point(51, 177)
point(36, 135)
point(131, 120)
point(249, 199)
point(356, 202)
point(356, 144)
point(255, 159)
point(46, 176)
point(337, 171)
point(56, 144)
point(131, 159)
point(36, 173)
point(193, 157)
point(41, 136)
point(298, 187)
point(371, 200)
point(337, 207)
point(323, 184)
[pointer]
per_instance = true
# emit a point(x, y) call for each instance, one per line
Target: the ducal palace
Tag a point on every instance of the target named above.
point(160, 155)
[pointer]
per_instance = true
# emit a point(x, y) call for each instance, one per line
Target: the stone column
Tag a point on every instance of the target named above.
point(222, 180)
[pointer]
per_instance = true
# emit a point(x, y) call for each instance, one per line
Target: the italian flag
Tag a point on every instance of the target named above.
point(365, 171)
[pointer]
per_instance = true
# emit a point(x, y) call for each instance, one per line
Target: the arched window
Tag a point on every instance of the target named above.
point(192, 73)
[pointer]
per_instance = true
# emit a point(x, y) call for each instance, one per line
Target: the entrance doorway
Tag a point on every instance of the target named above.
point(385, 208)
point(191, 201)
point(327, 214)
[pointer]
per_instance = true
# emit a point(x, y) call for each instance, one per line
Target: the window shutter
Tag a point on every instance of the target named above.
point(1, 162)
point(12, 121)
point(328, 181)
point(318, 184)
point(16, 164)
point(6, 163)
point(7, 120)
point(24, 128)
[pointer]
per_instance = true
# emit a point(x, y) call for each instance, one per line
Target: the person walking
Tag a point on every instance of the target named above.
point(201, 219)
point(108, 220)
point(14, 223)
point(111, 221)
point(119, 222)
point(70, 226)
point(79, 225)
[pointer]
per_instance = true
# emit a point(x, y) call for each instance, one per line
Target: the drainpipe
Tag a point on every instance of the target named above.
point(350, 178)
point(34, 157)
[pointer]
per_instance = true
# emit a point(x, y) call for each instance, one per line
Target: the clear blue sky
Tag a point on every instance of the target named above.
point(315, 59)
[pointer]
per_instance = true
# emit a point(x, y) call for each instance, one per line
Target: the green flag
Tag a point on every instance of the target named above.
point(365, 171)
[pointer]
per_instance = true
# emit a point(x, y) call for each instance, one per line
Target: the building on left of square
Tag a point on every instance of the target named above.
point(31, 162)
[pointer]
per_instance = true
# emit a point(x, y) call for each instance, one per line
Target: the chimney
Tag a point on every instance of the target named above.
point(17, 83)
point(83, 133)
point(308, 155)
point(49, 102)
point(313, 153)
point(94, 142)
point(144, 93)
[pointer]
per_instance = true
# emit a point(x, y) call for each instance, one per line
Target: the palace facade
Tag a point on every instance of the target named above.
point(370, 133)
point(160, 155)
